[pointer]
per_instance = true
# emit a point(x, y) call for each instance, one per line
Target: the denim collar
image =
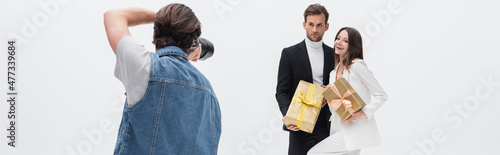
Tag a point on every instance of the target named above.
point(171, 50)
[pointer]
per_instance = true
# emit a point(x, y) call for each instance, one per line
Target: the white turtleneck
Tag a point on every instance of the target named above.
point(316, 57)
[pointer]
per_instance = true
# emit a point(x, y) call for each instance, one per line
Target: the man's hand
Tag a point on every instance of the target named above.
point(355, 115)
point(324, 100)
point(117, 21)
point(290, 127)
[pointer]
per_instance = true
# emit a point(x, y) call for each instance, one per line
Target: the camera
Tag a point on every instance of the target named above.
point(207, 48)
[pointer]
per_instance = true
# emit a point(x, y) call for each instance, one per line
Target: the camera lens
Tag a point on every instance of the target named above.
point(207, 48)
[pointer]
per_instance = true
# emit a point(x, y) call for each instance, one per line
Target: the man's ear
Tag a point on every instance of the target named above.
point(304, 25)
point(327, 26)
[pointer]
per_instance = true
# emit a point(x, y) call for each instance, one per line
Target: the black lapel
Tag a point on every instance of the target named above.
point(329, 63)
point(305, 61)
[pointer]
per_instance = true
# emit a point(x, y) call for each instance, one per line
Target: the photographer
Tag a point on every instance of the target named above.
point(171, 107)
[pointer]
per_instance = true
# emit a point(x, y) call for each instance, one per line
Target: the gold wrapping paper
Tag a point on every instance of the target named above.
point(305, 106)
point(346, 101)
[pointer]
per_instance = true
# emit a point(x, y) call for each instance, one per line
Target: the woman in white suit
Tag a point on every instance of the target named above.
point(360, 130)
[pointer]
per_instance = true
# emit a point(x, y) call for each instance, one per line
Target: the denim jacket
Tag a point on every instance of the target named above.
point(178, 114)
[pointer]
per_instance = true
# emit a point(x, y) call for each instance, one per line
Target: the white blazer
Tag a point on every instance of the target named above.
point(361, 132)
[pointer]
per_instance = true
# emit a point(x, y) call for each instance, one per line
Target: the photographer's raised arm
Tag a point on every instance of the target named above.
point(117, 21)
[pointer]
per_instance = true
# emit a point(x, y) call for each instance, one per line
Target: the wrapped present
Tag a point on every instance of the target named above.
point(343, 99)
point(305, 106)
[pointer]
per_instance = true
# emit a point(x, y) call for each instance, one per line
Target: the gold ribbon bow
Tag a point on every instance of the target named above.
point(306, 101)
point(336, 103)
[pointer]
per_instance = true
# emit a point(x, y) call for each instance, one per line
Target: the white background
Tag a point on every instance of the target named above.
point(430, 57)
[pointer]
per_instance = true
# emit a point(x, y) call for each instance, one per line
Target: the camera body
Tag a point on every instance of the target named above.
point(207, 48)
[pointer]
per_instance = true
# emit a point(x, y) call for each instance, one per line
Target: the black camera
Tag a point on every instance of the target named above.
point(207, 48)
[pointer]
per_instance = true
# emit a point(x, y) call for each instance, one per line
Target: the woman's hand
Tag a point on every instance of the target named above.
point(290, 127)
point(355, 115)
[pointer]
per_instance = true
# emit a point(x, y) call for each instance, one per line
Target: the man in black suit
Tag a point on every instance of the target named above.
point(312, 61)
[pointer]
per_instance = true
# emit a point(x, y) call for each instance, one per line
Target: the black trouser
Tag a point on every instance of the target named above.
point(300, 142)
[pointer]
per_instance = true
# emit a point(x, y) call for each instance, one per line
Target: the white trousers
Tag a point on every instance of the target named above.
point(332, 145)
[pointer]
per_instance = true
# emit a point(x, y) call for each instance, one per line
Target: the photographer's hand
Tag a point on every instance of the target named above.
point(195, 54)
point(117, 21)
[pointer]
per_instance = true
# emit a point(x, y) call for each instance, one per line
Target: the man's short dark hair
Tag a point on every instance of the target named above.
point(316, 9)
point(176, 25)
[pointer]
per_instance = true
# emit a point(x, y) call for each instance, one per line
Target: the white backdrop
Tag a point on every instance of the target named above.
point(437, 60)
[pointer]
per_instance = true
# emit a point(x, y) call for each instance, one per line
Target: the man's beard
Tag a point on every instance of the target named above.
point(319, 38)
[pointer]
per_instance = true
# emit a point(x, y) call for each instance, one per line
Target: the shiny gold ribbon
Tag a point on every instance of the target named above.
point(336, 103)
point(306, 101)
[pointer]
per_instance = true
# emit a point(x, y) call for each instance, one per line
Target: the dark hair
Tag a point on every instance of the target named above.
point(316, 9)
point(355, 48)
point(176, 25)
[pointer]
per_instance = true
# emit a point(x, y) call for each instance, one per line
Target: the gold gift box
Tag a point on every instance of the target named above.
point(305, 106)
point(346, 96)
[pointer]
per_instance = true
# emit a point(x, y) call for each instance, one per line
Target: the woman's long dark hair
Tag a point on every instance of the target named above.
point(355, 48)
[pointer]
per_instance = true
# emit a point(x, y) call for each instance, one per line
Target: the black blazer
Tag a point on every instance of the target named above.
point(295, 66)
